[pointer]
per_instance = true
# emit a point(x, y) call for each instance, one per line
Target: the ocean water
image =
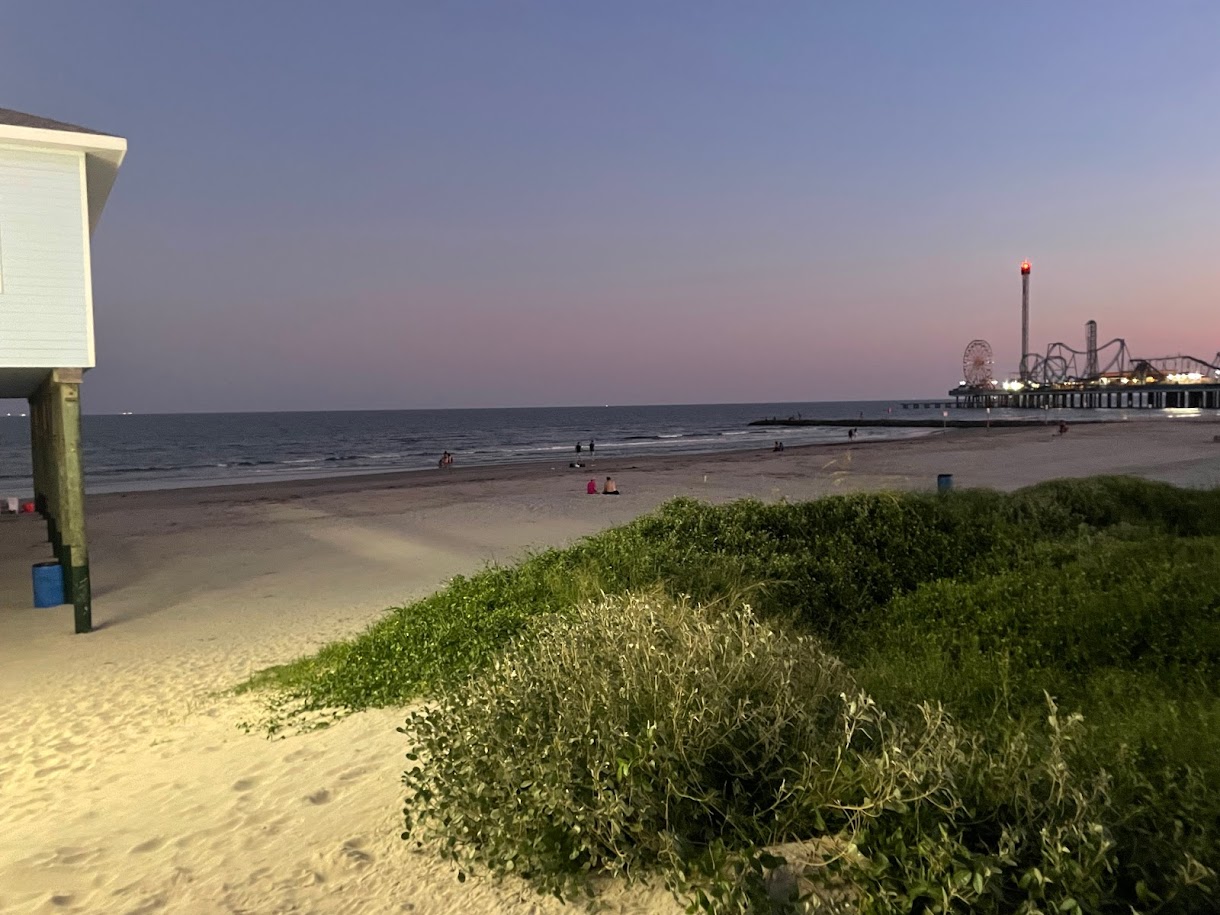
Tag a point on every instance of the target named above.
point(171, 450)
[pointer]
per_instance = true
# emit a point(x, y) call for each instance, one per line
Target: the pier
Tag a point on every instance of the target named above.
point(938, 422)
point(1092, 395)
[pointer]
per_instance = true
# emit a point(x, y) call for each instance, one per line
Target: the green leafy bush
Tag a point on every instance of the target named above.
point(639, 734)
point(1002, 640)
point(1127, 632)
point(644, 735)
point(950, 821)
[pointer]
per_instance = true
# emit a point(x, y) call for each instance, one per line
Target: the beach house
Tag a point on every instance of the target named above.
point(54, 181)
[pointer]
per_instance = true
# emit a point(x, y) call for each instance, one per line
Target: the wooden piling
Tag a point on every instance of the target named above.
point(59, 477)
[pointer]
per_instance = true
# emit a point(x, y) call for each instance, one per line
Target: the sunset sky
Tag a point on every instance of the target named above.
point(426, 204)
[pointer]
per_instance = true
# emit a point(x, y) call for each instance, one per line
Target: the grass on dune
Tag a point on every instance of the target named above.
point(821, 564)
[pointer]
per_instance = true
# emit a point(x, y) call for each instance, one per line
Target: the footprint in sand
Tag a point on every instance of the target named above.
point(149, 845)
point(244, 784)
point(61, 899)
point(354, 854)
point(353, 773)
point(319, 797)
point(70, 856)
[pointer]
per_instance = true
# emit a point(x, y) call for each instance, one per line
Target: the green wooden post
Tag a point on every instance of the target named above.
point(72, 547)
point(53, 455)
point(37, 447)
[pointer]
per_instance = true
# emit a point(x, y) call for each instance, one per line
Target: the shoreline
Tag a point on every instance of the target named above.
point(517, 471)
point(511, 470)
point(506, 471)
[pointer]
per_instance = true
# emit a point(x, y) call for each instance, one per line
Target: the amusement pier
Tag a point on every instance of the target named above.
point(1106, 376)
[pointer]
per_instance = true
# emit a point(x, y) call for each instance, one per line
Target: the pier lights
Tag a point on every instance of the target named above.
point(1025, 268)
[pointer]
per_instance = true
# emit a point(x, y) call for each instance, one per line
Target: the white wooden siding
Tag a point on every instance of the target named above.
point(44, 260)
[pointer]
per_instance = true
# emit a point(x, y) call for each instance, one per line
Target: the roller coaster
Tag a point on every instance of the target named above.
point(1062, 364)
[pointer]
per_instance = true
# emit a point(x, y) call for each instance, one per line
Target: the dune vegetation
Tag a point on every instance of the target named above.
point(969, 702)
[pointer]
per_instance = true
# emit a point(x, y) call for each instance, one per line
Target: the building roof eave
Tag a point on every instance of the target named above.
point(103, 156)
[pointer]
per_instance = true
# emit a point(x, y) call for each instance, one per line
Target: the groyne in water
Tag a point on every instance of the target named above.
point(930, 422)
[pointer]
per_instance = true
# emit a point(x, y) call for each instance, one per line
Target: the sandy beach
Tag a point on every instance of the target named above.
point(126, 783)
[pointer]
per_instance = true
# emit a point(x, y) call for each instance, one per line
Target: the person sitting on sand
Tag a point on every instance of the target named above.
point(591, 489)
point(1063, 427)
point(609, 489)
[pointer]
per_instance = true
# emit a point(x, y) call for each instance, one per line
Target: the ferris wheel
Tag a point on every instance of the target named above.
point(976, 364)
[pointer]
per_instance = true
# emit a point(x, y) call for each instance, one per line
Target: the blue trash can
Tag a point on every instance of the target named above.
point(944, 482)
point(48, 584)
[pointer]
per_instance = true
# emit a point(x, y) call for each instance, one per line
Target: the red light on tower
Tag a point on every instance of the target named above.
point(1024, 268)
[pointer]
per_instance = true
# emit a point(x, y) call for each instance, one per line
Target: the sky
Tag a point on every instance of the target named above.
point(422, 204)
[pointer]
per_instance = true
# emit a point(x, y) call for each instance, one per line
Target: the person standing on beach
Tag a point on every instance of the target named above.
point(578, 447)
point(590, 446)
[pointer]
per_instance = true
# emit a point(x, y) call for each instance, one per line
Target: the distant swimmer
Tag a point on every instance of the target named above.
point(609, 489)
point(446, 460)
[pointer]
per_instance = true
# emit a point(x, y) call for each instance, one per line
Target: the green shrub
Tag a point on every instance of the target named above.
point(1003, 640)
point(952, 822)
point(644, 735)
point(640, 734)
point(1128, 632)
point(1109, 501)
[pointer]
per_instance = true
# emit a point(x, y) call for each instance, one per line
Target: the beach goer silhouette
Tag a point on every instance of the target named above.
point(609, 489)
point(446, 460)
point(590, 446)
point(578, 447)
point(591, 489)
point(851, 434)
point(1063, 427)
point(775, 447)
